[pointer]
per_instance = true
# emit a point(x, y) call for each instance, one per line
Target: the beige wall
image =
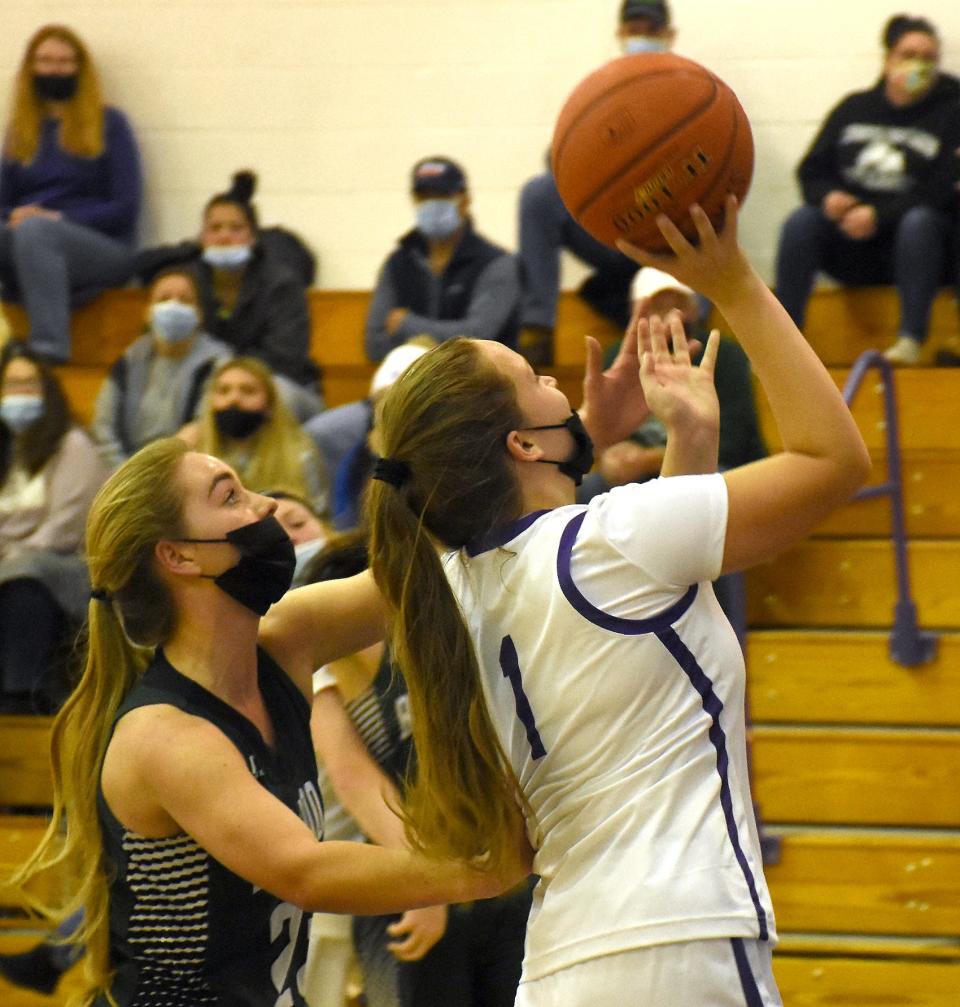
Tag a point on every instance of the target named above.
point(332, 100)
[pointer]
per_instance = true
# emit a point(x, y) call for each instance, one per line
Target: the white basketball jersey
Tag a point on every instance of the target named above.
point(616, 686)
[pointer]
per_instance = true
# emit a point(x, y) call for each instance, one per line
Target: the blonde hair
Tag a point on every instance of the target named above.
point(139, 505)
point(81, 125)
point(278, 451)
point(447, 417)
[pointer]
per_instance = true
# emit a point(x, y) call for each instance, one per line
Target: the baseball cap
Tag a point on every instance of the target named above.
point(438, 176)
point(649, 282)
point(393, 365)
point(658, 13)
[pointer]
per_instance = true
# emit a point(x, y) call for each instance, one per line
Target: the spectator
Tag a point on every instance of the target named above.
point(443, 279)
point(877, 186)
point(70, 189)
point(156, 386)
point(244, 422)
point(252, 297)
point(49, 473)
point(308, 530)
point(546, 227)
point(341, 435)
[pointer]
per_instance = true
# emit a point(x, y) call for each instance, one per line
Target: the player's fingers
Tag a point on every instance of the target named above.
point(593, 357)
point(708, 361)
point(672, 235)
point(658, 338)
point(678, 337)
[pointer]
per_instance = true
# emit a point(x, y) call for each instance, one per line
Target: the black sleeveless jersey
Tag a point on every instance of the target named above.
point(183, 929)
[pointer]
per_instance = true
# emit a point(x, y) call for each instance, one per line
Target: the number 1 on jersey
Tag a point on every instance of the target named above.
point(510, 665)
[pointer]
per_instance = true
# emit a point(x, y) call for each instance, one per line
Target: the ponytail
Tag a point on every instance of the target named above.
point(130, 612)
point(447, 419)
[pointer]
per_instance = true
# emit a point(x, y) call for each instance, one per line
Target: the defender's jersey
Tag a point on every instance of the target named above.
point(616, 686)
point(184, 929)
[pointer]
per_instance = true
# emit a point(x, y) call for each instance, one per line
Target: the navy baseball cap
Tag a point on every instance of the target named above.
point(438, 176)
point(658, 13)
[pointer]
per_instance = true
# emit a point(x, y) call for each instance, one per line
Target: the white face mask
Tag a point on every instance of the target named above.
point(634, 44)
point(438, 218)
point(21, 411)
point(173, 321)
point(227, 256)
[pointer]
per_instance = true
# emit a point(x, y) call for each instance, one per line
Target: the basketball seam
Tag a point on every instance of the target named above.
point(677, 126)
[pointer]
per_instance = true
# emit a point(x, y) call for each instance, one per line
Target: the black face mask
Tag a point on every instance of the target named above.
point(239, 424)
point(55, 86)
point(581, 458)
point(265, 570)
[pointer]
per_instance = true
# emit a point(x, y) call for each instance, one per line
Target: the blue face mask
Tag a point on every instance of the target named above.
point(634, 44)
point(227, 256)
point(21, 411)
point(173, 321)
point(438, 218)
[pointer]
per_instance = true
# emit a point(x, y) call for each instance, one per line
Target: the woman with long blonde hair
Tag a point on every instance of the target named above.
point(70, 188)
point(245, 421)
point(578, 652)
point(183, 766)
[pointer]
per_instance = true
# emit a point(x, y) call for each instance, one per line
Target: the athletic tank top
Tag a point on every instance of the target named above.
point(184, 930)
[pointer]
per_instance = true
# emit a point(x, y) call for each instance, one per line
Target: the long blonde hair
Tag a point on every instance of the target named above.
point(277, 453)
point(447, 417)
point(137, 506)
point(81, 126)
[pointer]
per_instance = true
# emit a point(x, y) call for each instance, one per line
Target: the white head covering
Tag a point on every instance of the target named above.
point(649, 282)
point(393, 365)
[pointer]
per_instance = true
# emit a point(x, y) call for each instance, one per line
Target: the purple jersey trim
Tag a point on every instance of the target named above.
point(662, 626)
point(748, 983)
point(502, 534)
point(614, 623)
point(713, 707)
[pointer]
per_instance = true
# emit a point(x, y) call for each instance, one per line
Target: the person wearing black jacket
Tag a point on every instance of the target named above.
point(878, 188)
point(443, 279)
point(251, 297)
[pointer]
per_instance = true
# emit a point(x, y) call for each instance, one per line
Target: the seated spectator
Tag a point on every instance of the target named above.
point(337, 432)
point(70, 189)
point(244, 422)
point(155, 388)
point(878, 188)
point(252, 297)
point(639, 458)
point(341, 435)
point(443, 279)
point(49, 473)
point(546, 227)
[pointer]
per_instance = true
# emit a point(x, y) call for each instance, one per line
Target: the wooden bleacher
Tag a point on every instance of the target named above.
point(856, 759)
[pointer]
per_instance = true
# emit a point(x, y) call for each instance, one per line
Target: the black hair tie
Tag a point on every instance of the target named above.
point(392, 471)
point(98, 594)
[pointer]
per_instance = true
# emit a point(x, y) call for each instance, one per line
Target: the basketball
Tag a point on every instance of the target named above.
point(648, 134)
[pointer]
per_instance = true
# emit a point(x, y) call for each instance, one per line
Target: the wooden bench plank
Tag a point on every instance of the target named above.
point(928, 405)
point(868, 946)
point(827, 982)
point(867, 881)
point(805, 676)
point(844, 322)
point(25, 762)
point(821, 583)
point(857, 776)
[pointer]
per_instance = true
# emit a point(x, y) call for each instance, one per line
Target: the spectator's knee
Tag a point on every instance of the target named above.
point(923, 223)
point(37, 231)
point(537, 194)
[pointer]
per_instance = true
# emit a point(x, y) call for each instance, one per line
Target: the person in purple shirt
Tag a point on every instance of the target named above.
point(70, 189)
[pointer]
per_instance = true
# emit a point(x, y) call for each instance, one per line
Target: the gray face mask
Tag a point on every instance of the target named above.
point(174, 321)
point(438, 218)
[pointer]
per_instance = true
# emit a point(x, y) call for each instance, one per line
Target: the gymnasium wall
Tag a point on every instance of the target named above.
point(332, 100)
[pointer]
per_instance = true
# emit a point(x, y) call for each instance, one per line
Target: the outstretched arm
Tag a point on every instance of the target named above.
point(778, 500)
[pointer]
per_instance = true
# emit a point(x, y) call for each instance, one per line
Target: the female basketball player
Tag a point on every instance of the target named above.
point(186, 775)
point(579, 652)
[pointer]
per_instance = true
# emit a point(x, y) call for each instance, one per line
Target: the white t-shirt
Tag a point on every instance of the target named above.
point(616, 686)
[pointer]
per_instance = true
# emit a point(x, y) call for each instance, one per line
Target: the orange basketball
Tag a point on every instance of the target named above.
point(648, 134)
